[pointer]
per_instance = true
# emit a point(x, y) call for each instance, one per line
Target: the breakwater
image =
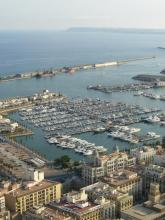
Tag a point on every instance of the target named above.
point(123, 88)
point(149, 78)
point(71, 69)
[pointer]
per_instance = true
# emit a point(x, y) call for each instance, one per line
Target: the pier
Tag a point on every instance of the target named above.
point(70, 69)
point(123, 88)
point(127, 134)
point(151, 96)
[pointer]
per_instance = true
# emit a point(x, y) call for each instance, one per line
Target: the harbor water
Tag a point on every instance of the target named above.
point(30, 51)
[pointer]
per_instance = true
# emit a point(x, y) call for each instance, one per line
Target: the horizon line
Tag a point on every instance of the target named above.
point(86, 27)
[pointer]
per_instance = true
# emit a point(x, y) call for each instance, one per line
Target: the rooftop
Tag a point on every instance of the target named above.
point(101, 189)
point(143, 213)
point(120, 177)
point(113, 156)
point(33, 188)
point(48, 213)
point(79, 208)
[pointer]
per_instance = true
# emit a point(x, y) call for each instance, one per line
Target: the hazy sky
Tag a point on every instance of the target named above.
point(62, 14)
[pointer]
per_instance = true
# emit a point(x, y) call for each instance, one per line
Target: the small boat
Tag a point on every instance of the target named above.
point(162, 123)
point(52, 141)
point(99, 130)
point(87, 152)
point(134, 130)
point(153, 135)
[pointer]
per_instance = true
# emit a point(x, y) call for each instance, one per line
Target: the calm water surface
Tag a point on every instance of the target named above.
point(28, 51)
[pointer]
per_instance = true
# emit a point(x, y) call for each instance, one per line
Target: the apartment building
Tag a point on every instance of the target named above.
point(155, 174)
point(144, 154)
point(126, 181)
point(79, 207)
point(122, 200)
point(32, 194)
point(44, 213)
point(153, 209)
point(101, 166)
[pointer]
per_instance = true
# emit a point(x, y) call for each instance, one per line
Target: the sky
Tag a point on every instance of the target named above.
point(63, 14)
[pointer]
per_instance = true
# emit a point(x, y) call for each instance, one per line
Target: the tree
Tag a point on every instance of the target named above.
point(163, 142)
point(63, 161)
point(76, 163)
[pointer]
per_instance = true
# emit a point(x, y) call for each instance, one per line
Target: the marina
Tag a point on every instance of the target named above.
point(82, 110)
point(151, 95)
point(127, 134)
point(14, 104)
point(72, 117)
point(61, 83)
point(78, 145)
point(61, 120)
point(156, 118)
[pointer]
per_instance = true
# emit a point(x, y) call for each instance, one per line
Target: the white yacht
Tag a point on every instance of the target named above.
point(152, 119)
point(52, 140)
point(153, 135)
point(139, 93)
point(134, 130)
point(87, 152)
point(162, 123)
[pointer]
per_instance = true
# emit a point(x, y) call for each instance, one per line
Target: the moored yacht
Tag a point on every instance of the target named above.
point(152, 119)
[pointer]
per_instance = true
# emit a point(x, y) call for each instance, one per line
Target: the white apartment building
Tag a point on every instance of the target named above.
point(144, 154)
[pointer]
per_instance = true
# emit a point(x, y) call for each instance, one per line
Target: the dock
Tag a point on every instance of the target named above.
point(123, 88)
point(81, 115)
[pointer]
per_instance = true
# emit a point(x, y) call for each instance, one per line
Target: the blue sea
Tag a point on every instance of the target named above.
point(31, 51)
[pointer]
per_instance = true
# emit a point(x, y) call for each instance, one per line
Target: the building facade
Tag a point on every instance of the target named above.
point(153, 174)
point(122, 200)
point(79, 207)
point(153, 209)
point(24, 198)
point(102, 166)
point(126, 181)
point(4, 214)
point(44, 213)
point(144, 154)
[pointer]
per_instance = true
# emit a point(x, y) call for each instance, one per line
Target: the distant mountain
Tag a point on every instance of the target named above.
point(161, 48)
point(119, 30)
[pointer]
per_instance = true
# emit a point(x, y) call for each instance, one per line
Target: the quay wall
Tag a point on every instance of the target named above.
point(28, 150)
